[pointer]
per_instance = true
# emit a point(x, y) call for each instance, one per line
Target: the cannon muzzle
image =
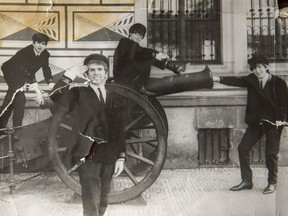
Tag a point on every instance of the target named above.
point(180, 83)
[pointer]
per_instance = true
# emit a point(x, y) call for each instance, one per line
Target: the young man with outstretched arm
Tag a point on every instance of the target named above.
point(132, 63)
point(266, 110)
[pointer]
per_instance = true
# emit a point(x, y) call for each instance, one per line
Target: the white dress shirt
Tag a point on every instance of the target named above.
point(36, 54)
point(103, 90)
point(265, 79)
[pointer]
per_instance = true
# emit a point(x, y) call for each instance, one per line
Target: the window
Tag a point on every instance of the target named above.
point(266, 34)
point(185, 30)
point(213, 146)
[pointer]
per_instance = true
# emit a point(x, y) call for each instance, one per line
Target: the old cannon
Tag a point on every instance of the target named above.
point(146, 138)
point(146, 135)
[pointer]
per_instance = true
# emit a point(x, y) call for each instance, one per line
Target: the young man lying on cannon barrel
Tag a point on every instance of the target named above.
point(132, 66)
point(97, 116)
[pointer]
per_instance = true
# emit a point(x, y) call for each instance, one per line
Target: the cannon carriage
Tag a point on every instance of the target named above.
point(146, 128)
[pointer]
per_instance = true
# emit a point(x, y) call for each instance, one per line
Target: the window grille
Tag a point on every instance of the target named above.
point(265, 34)
point(214, 147)
point(185, 30)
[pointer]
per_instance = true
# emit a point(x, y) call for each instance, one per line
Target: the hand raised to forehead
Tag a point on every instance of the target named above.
point(77, 70)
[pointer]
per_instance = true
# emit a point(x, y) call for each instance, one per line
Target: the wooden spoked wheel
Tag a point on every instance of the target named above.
point(146, 140)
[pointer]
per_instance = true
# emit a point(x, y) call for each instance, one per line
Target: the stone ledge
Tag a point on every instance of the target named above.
point(207, 97)
point(211, 97)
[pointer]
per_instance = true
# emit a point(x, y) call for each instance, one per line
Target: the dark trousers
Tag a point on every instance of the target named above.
point(14, 80)
point(95, 180)
point(17, 106)
point(144, 74)
point(250, 138)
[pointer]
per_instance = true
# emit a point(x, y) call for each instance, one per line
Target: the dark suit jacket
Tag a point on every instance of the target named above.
point(93, 119)
point(278, 91)
point(130, 60)
point(22, 67)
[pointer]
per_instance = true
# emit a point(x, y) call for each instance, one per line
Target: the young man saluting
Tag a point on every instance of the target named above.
point(97, 115)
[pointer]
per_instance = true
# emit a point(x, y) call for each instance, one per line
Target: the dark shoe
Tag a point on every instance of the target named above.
point(143, 91)
point(244, 185)
point(269, 189)
point(177, 69)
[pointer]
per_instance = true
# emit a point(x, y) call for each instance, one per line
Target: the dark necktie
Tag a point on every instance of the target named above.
point(261, 85)
point(101, 98)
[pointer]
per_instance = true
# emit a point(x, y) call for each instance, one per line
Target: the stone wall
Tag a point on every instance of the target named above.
point(79, 28)
point(187, 113)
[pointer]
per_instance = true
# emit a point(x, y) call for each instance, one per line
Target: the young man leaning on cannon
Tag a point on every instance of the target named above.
point(266, 113)
point(19, 71)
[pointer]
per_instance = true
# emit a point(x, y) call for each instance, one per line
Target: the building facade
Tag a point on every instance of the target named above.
point(205, 126)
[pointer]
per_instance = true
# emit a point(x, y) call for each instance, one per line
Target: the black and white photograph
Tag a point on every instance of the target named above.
point(143, 107)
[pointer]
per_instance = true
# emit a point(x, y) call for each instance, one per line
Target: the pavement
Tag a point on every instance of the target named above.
point(179, 192)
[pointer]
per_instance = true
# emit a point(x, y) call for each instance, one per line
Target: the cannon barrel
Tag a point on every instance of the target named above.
point(180, 83)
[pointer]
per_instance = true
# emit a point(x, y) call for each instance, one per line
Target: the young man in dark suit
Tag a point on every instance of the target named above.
point(132, 63)
point(19, 70)
point(97, 113)
point(266, 109)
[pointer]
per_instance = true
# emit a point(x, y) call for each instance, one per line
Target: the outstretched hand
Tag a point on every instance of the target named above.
point(39, 96)
point(161, 56)
point(51, 85)
point(216, 79)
